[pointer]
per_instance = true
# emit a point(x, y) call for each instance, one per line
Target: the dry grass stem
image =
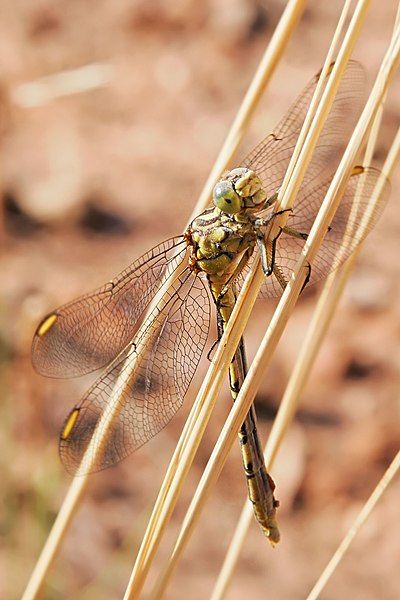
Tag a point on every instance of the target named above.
point(64, 83)
point(390, 163)
point(199, 417)
point(262, 76)
point(354, 529)
point(315, 100)
point(257, 86)
point(94, 449)
point(287, 198)
point(315, 336)
point(164, 506)
point(279, 320)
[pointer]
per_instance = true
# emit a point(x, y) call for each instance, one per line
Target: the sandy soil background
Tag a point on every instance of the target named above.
point(90, 181)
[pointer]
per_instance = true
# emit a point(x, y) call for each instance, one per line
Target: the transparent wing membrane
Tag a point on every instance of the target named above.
point(270, 159)
point(150, 368)
point(89, 332)
point(150, 379)
point(347, 228)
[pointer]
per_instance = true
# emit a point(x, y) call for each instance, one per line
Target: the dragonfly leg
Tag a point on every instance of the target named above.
point(307, 279)
point(211, 350)
point(302, 236)
point(259, 222)
point(271, 200)
point(294, 233)
point(267, 258)
point(280, 277)
point(283, 281)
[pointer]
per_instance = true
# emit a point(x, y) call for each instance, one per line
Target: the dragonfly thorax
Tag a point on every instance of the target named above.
point(218, 240)
point(220, 236)
point(239, 190)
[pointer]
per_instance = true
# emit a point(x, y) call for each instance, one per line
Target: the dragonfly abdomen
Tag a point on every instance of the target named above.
point(259, 484)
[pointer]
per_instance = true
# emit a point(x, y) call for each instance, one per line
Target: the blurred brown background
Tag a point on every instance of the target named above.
point(90, 180)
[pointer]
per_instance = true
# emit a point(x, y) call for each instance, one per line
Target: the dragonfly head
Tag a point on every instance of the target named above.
point(240, 189)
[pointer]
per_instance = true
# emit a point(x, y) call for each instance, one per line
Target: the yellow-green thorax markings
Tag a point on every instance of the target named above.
point(222, 235)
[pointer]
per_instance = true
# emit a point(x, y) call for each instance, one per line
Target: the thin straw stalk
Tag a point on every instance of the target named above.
point(365, 512)
point(204, 405)
point(287, 408)
point(261, 78)
point(328, 99)
point(316, 97)
point(64, 83)
point(251, 384)
point(373, 136)
point(354, 529)
point(323, 315)
point(136, 580)
point(315, 335)
point(95, 447)
point(286, 198)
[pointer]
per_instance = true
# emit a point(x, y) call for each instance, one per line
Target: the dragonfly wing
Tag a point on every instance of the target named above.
point(271, 157)
point(89, 332)
point(143, 389)
point(347, 228)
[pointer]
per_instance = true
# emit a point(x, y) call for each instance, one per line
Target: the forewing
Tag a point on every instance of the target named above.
point(271, 157)
point(88, 333)
point(143, 389)
point(345, 233)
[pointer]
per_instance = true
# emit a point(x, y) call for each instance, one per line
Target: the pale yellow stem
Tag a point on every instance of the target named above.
point(355, 528)
point(169, 502)
point(263, 356)
point(262, 76)
point(64, 83)
point(322, 317)
point(317, 96)
point(257, 86)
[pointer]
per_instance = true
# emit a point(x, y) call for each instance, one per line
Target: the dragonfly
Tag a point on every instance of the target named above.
point(150, 352)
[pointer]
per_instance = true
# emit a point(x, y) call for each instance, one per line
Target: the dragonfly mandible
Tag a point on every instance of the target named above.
point(101, 329)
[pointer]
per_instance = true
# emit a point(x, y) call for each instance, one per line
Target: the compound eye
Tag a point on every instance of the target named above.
point(226, 199)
